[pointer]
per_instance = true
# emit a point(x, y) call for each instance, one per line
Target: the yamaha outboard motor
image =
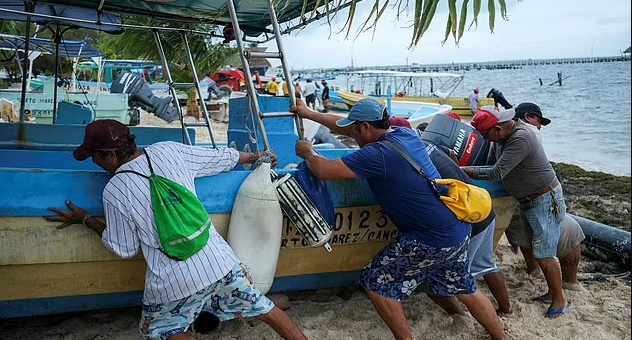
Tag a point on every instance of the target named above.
point(219, 92)
point(499, 98)
point(140, 95)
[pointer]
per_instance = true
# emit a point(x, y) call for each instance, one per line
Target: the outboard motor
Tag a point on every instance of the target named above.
point(219, 92)
point(141, 95)
point(499, 98)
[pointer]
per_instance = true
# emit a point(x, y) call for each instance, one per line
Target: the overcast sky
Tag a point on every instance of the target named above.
point(536, 29)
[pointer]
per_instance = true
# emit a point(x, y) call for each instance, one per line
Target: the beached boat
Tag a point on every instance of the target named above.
point(410, 86)
point(46, 91)
point(40, 104)
point(47, 271)
point(415, 112)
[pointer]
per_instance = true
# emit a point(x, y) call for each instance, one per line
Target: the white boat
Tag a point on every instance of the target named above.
point(416, 112)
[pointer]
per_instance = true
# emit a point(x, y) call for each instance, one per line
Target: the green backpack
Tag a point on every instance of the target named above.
point(181, 220)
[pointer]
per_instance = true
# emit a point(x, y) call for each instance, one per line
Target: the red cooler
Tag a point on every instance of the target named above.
point(468, 145)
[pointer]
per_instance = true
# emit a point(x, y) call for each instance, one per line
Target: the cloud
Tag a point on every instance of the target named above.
point(535, 29)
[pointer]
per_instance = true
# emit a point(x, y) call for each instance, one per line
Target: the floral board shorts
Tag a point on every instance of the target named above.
point(234, 296)
point(405, 263)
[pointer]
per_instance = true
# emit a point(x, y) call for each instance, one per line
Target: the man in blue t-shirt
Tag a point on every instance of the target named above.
point(431, 246)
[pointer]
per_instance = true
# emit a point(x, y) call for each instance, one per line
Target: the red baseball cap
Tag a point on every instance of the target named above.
point(399, 121)
point(103, 134)
point(454, 115)
point(488, 116)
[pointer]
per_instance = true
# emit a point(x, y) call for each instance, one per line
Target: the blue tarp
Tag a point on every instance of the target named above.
point(61, 12)
point(67, 48)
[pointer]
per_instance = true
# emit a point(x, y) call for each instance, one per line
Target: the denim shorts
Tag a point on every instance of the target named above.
point(234, 296)
point(481, 252)
point(405, 263)
point(544, 223)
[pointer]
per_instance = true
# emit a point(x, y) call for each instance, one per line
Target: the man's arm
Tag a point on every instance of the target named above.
point(321, 167)
point(328, 120)
point(513, 153)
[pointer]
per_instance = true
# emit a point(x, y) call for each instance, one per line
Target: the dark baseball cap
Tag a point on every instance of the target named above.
point(103, 134)
point(532, 109)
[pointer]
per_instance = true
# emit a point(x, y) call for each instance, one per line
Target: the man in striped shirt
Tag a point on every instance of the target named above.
point(213, 279)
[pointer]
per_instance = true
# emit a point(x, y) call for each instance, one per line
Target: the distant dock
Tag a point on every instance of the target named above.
point(451, 67)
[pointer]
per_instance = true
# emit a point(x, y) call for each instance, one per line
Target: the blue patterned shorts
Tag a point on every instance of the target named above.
point(234, 296)
point(405, 263)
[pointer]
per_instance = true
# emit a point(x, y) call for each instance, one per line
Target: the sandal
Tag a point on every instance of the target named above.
point(557, 312)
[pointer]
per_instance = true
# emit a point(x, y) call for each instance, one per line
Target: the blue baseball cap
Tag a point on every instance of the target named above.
point(365, 110)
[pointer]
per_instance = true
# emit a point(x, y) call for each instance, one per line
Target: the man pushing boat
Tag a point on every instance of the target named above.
point(180, 282)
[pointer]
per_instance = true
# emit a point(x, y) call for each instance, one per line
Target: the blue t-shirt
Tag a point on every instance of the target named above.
point(405, 195)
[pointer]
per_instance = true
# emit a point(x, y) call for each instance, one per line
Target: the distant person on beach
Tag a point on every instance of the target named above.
point(286, 91)
point(481, 248)
point(272, 88)
point(473, 101)
point(431, 245)
point(297, 90)
point(325, 96)
point(569, 250)
point(309, 91)
point(176, 291)
point(528, 176)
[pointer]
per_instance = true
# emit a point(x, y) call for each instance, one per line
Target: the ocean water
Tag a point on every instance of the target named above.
point(590, 113)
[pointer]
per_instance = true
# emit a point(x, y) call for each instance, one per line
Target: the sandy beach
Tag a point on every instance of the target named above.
point(601, 311)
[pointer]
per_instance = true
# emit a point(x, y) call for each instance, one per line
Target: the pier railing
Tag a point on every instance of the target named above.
point(489, 65)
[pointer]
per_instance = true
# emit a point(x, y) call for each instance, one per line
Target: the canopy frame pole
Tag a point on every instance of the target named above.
point(165, 66)
point(286, 71)
point(29, 7)
point(57, 38)
point(252, 92)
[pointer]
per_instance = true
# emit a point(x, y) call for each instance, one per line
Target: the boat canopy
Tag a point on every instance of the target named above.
point(67, 48)
point(253, 15)
point(388, 73)
point(61, 15)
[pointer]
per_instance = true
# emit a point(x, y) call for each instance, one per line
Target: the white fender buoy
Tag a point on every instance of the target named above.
point(255, 227)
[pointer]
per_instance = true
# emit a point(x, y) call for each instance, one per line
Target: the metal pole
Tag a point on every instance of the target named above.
point(252, 92)
point(57, 39)
point(286, 72)
point(28, 7)
point(185, 134)
point(197, 88)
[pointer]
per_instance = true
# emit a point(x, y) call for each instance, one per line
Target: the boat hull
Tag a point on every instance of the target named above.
point(46, 271)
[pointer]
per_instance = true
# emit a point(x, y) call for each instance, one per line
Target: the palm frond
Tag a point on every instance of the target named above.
point(424, 14)
point(140, 44)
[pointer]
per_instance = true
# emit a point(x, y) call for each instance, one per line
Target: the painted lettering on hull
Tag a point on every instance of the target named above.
point(352, 226)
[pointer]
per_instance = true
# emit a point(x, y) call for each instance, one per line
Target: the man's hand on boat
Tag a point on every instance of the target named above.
point(302, 109)
point(303, 148)
point(75, 215)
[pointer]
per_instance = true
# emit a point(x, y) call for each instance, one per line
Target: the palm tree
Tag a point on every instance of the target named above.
point(139, 44)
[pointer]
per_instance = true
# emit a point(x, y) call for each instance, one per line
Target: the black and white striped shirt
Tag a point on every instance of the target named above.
point(130, 220)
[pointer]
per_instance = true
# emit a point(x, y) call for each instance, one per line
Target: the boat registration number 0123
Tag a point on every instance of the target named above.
point(352, 225)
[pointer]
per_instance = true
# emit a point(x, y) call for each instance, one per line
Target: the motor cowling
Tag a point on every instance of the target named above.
point(140, 95)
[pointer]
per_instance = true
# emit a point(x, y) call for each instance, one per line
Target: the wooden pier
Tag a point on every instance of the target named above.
point(489, 65)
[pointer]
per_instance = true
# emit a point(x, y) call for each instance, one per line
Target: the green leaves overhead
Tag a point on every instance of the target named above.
point(423, 14)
